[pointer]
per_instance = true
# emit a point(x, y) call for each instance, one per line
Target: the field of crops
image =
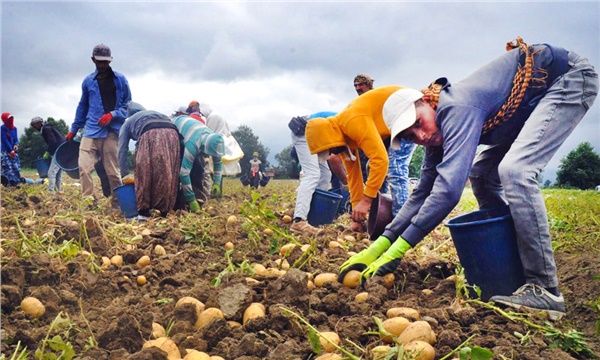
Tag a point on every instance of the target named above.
point(234, 283)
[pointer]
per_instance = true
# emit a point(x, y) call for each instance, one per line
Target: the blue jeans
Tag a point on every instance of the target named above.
point(54, 176)
point(506, 173)
point(397, 177)
point(316, 176)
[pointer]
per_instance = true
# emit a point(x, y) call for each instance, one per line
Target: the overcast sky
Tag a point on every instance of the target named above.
point(261, 63)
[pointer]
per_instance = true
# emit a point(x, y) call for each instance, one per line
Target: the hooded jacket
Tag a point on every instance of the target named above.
point(9, 133)
point(359, 126)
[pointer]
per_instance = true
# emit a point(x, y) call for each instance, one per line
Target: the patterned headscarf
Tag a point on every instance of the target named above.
point(8, 120)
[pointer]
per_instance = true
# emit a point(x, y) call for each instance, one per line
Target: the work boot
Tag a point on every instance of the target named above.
point(534, 298)
point(304, 227)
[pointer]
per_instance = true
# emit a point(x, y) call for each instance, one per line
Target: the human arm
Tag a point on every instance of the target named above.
point(337, 168)
point(122, 152)
point(217, 177)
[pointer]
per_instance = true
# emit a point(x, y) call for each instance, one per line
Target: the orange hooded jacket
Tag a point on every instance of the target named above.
point(359, 126)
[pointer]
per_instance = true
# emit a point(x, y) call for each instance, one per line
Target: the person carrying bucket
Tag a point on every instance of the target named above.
point(359, 126)
point(199, 141)
point(316, 175)
point(53, 139)
point(522, 106)
point(157, 159)
point(11, 164)
point(101, 112)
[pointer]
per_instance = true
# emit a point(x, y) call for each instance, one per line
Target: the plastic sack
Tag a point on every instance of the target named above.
point(233, 151)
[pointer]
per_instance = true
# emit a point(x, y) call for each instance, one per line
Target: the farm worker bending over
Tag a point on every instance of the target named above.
point(53, 139)
point(523, 106)
point(316, 174)
point(101, 111)
point(359, 126)
point(11, 165)
point(199, 141)
point(157, 159)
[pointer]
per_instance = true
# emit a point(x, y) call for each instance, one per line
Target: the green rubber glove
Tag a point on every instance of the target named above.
point(194, 206)
point(46, 156)
point(388, 262)
point(216, 191)
point(362, 259)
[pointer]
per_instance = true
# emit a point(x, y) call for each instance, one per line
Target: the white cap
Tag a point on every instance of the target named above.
point(399, 112)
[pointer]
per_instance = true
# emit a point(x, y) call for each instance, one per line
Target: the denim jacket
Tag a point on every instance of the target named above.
point(90, 107)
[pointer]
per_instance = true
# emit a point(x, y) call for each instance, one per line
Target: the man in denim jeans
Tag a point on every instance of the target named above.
point(523, 106)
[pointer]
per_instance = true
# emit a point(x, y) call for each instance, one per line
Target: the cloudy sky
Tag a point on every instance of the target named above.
point(261, 63)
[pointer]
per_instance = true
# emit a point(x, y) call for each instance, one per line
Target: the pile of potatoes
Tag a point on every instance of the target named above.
point(204, 316)
point(406, 328)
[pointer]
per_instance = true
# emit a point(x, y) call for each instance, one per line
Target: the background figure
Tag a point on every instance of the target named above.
point(157, 159)
point(53, 139)
point(316, 176)
point(11, 165)
point(101, 112)
point(199, 141)
point(397, 176)
point(254, 173)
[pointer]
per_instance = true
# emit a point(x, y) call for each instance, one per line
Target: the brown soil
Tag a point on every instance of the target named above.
point(108, 309)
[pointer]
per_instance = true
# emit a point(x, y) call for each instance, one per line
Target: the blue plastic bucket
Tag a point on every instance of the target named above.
point(67, 158)
point(345, 205)
point(323, 207)
point(42, 167)
point(486, 244)
point(245, 181)
point(126, 196)
point(264, 180)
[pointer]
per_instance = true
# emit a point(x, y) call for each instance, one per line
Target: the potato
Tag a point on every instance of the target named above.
point(215, 357)
point(158, 330)
point(232, 219)
point(33, 307)
point(268, 232)
point(334, 244)
point(418, 330)
point(329, 356)
point(352, 279)
point(234, 324)
point(259, 269)
point(250, 280)
point(420, 350)
point(116, 260)
point(165, 344)
point(310, 285)
point(105, 261)
point(331, 336)
point(255, 310)
point(379, 352)
point(349, 238)
point(409, 313)
point(207, 316)
point(427, 292)
point(146, 232)
point(286, 249)
point(305, 247)
point(141, 280)
point(361, 297)
point(196, 355)
point(286, 219)
point(273, 272)
point(324, 278)
point(388, 280)
point(282, 264)
point(229, 245)
point(190, 300)
point(394, 326)
point(143, 261)
point(159, 250)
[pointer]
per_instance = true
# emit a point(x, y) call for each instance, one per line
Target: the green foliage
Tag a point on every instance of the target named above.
point(33, 146)
point(475, 353)
point(288, 167)
point(60, 349)
point(249, 144)
point(243, 268)
point(580, 168)
point(571, 341)
point(414, 168)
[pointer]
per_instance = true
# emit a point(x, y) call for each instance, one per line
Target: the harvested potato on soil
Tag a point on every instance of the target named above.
point(388, 280)
point(418, 330)
point(33, 306)
point(331, 336)
point(207, 316)
point(352, 279)
point(394, 326)
point(165, 344)
point(361, 297)
point(255, 310)
point(158, 330)
point(232, 219)
point(141, 280)
point(286, 219)
point(159, 250)
point(268, 231)
point(420, 350)
point(229, 245)
point(409, 313)
point(379, 352)
point(116, 260)
point(329, 356)
point(324, 278)
point(286, 249)
point(196, 355)
point(143, 261)
point(190, 300)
